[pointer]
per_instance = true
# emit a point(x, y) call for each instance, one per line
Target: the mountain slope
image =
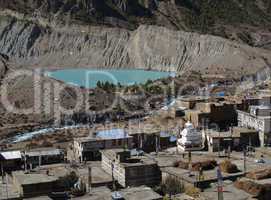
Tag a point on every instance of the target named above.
point(150, 47)
point(3, 65)
point(248, 21)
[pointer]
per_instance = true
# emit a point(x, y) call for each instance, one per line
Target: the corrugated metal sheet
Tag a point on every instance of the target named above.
point(11, 155)
point(51, 152)
point(164, 134)
point(112, 134)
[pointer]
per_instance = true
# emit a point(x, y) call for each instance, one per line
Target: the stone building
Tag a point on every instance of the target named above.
point(88, 148)
point(222, 114)
point(235, 139)
point(258, 118)
point(150, 139)
point(190, 102)
point(43, 156)
point(10, 160)
point(130, 171)
point(245, 103)
point(35, 184)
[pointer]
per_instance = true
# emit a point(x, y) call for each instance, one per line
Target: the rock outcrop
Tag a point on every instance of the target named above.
point(149, 47)
point(238, 20)
point(3, 65)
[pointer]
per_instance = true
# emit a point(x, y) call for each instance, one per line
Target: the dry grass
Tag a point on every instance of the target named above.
point(261, 191)
point(205, 165)
point(259, 174)
point(228, 167)
point(192, 191)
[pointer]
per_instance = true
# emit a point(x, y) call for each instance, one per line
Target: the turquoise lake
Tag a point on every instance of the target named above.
point(88, 78)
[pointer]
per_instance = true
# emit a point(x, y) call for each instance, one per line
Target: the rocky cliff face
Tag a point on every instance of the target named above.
point(240, 20)
point(82, 11)
point(149, 47)
point(3, 65)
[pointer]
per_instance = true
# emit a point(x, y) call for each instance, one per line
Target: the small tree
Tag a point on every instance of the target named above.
point(99, 84)
point(172, 186)
point(69, 180)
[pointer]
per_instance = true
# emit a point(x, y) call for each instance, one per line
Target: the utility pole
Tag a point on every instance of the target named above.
point(126, 140)
point(2, 171)
point(245, 166)
point(189, 162)
point(113, 179)
point(178, 137)
point(229, 152)
point(231, 143)
point(89, 178)
point(3, 178)
point(125, 143)
point(40, 160)
point(141, 141)
point(7, 184)
point(219, 144)
point(25, 165)
point(157, 144)
point(219, 184)
point(250, 147)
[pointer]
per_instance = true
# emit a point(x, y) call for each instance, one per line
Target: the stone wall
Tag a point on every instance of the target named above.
point(131, 173)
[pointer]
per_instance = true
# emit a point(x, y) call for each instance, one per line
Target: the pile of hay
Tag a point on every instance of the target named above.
point(205, 165)
point(192, 191)
point(259, 174)
point(258, 190)
point(228, 167)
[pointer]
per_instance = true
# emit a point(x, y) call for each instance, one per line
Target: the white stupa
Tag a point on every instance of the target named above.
point(191, 139)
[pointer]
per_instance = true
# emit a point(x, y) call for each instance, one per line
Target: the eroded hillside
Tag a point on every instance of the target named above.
point(32, 45)
point(248, 21)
